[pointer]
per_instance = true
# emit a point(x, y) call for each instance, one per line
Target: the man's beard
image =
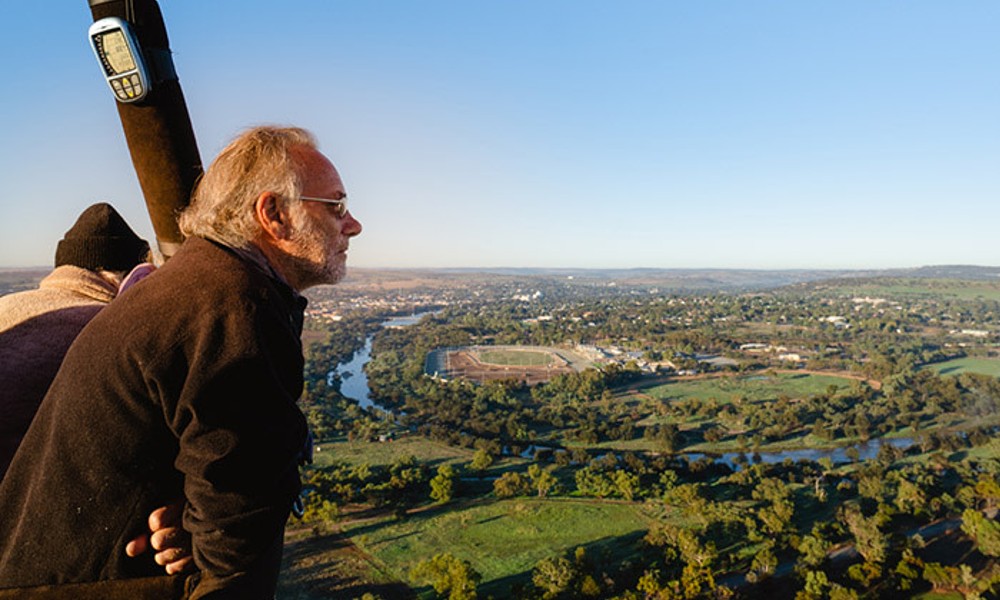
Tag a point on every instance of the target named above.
point(317, 263)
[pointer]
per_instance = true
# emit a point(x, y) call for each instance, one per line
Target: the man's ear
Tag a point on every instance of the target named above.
point(270, 212)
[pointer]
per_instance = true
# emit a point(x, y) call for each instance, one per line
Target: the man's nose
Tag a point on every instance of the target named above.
point(352, 226)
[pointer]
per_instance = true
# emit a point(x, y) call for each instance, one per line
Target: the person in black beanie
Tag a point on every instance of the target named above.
point(37, 326)
point(101, 240)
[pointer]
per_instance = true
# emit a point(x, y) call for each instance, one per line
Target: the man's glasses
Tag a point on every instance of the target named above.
point(340, 204)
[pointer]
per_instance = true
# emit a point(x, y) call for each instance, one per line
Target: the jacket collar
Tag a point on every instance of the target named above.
point(252, 256)
point(83, 282)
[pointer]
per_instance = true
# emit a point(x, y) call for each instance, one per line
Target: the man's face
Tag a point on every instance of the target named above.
point(319, 237)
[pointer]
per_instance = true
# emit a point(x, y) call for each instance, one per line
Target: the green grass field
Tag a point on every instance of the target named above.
point(984, 366)
point(503, 539)
point(755, 387)
point(515, 358)
point(386, 453)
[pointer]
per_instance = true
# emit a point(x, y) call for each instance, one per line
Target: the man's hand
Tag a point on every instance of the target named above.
point(171, 543)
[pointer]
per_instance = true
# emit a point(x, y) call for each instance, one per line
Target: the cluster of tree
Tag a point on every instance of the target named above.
point(876, 514)
point(748, 523)
point(554, 578)
point(798, 513)
point(397, 486)
point(449, 576)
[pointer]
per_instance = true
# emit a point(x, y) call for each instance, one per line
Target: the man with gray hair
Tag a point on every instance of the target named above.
point(185, 389)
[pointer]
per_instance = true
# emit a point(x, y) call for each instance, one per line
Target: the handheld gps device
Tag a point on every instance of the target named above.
point(118, 51)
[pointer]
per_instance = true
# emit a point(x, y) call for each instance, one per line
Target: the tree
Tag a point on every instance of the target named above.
point(687, 497)
point(511, 484)
point(987, 491)
point(908, 569)
point(696, 580)
point(812, 551)
point(763, 565)
point(872, 544)
point(814, 587)
point(985, 532)
point(627, 483)
point(910, 498)
point(481, 460)
point(668, 479)
point(945, 578)
point(447, 574)
point(593, 482)
point(873, 485)
point(542, 479)
point(320, 512)
point(553, 576)
point(693, 551)
point(777, 516)
point(667, 436)
point(443, 484)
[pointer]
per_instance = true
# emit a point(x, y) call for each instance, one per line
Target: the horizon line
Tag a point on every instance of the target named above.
point(634, 268)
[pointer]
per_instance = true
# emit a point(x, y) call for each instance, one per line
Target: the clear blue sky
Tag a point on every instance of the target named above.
point(557, 133)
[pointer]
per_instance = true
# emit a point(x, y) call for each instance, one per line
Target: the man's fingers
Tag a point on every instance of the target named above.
point(170, 556)
point(170, 537)
point(180, 566)
point(171, 543)
point(166, 516)
point(137, 546)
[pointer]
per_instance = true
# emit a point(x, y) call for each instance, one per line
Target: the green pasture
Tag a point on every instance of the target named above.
point(386, 453)
point(503, 539)
point(984, 366)
point(755, 388)
point(515, 358)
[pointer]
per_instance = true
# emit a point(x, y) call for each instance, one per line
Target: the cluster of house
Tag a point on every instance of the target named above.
point(780, 352)
point(334, 309)
point(615, 354)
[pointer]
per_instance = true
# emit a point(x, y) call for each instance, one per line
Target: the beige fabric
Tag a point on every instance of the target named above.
point(65, 287)
point(36, 328)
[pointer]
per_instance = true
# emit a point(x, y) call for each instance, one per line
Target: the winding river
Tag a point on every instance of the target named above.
point(866, 451)
point(353, 381)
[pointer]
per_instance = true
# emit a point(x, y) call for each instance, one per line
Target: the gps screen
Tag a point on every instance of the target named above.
point(116, 52)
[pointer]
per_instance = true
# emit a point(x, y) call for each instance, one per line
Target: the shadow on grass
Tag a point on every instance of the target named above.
point(420, 514)
point(602, 556)
point(605, 554)
point(330, 566)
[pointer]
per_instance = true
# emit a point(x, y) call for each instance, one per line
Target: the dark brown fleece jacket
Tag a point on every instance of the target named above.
point(184, 387)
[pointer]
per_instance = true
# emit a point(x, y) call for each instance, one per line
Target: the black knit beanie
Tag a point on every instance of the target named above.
point(101, 239)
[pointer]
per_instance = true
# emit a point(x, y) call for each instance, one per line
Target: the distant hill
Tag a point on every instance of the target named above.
point(675, 280)
point(966, 272)
point(16, 280)
point(668, 279)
